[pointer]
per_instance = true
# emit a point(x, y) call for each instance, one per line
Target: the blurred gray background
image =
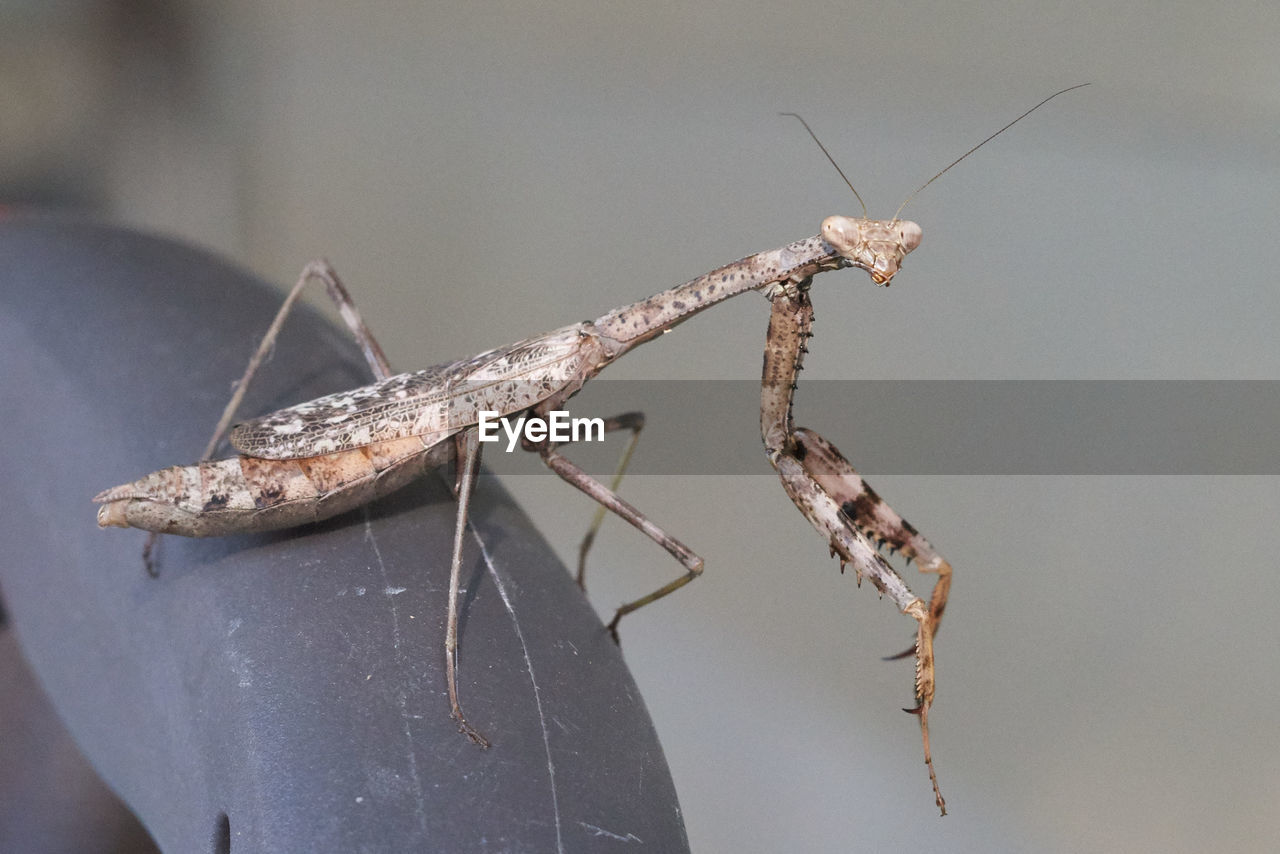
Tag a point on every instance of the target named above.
point(485, 171)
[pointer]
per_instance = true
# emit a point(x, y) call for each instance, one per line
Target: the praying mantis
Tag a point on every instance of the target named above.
point(324, 457)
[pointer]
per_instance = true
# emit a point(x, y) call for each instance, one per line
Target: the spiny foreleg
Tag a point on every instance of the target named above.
point(869, 513)
point(789, 330)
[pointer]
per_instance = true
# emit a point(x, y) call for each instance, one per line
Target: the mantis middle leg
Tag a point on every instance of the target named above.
point(571, 473)
point(633, 421)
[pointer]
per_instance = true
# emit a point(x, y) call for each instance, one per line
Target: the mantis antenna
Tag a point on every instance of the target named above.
point(944, 171)
point(984, 142)
point(800, 119)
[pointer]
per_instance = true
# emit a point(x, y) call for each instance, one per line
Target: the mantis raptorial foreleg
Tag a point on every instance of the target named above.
point(877, 521)
point(821, 483)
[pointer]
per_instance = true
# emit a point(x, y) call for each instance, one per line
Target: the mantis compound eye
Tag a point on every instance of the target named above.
point(909, 235)
point(843, 233)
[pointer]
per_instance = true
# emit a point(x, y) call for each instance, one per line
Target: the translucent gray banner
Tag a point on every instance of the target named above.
point(1128, 427)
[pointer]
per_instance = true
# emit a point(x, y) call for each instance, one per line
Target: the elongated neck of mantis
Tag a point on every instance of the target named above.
point(639, 322)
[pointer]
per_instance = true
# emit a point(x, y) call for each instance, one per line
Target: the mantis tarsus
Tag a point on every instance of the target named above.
point(329, 455)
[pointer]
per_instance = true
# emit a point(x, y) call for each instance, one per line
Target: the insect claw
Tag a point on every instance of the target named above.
point(917, 711)
point(472, 733)
point(148, 561)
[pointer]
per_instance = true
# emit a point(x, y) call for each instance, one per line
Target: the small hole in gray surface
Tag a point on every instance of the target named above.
point(222, 835)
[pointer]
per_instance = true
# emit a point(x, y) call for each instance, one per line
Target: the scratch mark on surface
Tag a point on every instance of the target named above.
point(600, 831)
point(537, 694)
point(402, 699)
point(243, 669)
point(393, 591)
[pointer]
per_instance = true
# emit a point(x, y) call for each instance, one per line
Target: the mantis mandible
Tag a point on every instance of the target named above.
point(326, 456)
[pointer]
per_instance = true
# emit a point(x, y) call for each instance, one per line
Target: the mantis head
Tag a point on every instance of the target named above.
point(875, 245)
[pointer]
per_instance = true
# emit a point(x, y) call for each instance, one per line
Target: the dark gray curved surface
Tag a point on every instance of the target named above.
point(283, 692)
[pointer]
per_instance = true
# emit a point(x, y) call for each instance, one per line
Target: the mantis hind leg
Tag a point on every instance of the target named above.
point(315, 271)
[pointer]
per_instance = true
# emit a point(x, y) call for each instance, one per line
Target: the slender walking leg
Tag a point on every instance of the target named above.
point(610, 501)
point(318, 271)
point(467, 445)
point(633, 421)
